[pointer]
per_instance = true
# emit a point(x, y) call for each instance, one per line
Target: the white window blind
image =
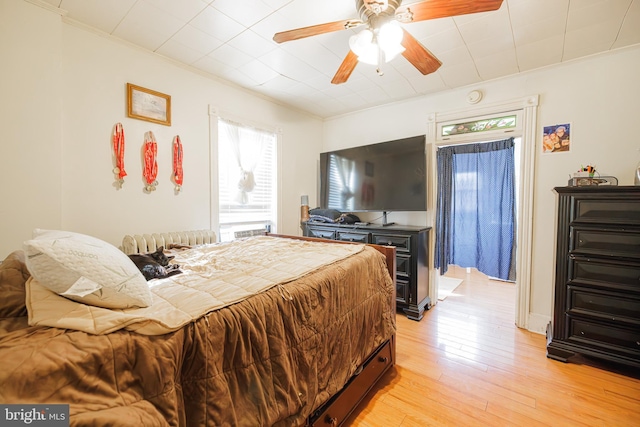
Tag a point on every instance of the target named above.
point(247, 174)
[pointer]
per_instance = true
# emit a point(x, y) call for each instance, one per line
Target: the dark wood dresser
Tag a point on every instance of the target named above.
point(412, 257)
point(596, 308)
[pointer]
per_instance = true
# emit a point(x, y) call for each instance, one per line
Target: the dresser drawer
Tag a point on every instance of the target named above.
point(606, 337)
point(604, 305)
point(620, 243)
point(609, 210)
point(350, 236)
point(601, 273)
point(402, 243)
point(322, 233)
point(402, 291)
point(403, 264)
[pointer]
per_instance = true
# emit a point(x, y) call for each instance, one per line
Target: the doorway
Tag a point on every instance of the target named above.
point(526, 123)
point(476, 211)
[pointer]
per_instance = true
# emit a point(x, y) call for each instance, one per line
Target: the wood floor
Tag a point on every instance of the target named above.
point(466, 364)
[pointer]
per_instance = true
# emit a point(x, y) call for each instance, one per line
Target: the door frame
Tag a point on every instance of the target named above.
point(526, 109)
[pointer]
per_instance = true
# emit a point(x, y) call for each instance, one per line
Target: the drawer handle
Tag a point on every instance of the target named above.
point(382, 359)
point(331, 420)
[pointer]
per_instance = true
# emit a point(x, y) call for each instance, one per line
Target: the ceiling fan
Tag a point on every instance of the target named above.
point(384, 38)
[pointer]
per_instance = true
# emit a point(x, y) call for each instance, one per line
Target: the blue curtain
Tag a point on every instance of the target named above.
point(475, 215)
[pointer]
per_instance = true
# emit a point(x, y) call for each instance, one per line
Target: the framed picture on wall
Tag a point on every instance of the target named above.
point(556, 138)
point(149, 105)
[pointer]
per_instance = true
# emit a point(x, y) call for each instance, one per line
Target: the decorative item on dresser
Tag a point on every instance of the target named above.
point(412, 256)
point(596, 310)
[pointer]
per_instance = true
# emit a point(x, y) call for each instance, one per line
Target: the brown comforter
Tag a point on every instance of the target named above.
point(269, 360)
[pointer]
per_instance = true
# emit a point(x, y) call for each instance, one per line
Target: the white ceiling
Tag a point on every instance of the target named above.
point(232, 39)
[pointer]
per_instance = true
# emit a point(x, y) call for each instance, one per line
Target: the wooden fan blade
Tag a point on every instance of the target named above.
point(418, 55)
point(314, 30)
point(346, 68)
point(433, 9)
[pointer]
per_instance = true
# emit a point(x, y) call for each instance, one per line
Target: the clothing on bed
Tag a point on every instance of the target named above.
point(268, 360)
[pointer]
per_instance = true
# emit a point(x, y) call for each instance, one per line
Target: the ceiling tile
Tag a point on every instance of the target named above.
point(258, 72)
point(270, 25)
point(629, 33)
point(184, 10)
point(460, 74)
point(540, 20)
point(316, 55)
point(373, 94)
point(425, 29)
point(456, 56)
point(444, 41)
point(287, 65)
point(212, 65)
point(246, 12)
point(583, 14)
point(252, 44)
point(217, 24)
point(278, 84)
point(484, 26)
point(237, 77)
point(179, 52)
point(307, 13)
point(427, 84)
point(196, 39)
point(490, 46)
point(147, 25)
point(96, 13)
point(399, 88)
point(540, 53)
point(231, 56)
point(497, 65)
point(353, 101)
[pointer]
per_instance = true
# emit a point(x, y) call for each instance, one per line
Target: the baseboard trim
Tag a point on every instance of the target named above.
point(538, 323)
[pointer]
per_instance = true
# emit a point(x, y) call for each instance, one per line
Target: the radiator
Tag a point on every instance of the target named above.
point(142, 243)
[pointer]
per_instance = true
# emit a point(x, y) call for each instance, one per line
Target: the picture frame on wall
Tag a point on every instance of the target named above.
point(149, 105)
point(556, 138)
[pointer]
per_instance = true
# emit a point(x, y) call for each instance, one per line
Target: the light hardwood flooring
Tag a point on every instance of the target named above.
point(466, 364)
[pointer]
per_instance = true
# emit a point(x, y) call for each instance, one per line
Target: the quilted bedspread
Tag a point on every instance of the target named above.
point(270, 359)
point(213, 277)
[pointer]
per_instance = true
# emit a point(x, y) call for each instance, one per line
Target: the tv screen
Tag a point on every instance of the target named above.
point(387, 176)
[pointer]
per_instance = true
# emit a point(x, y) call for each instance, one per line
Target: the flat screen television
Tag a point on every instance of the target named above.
point(387, 176)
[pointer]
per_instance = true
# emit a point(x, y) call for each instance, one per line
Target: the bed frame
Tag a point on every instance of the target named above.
point(338, 408)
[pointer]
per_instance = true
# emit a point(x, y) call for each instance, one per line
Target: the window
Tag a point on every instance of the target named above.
point(247, 179)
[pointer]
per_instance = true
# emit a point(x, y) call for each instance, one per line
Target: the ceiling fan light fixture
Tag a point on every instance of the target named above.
point(363, 45)
point(381, 47)
point(390, 40)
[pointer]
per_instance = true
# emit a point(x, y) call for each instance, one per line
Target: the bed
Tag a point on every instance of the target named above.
point(302, 352)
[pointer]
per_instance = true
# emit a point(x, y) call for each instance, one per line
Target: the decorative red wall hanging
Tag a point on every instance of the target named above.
point(118, 151)
point(150, 152)
point(178, 173)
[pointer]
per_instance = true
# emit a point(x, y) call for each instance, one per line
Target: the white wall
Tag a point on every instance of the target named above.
point(30, 122)
point(597, 95)
point(64, 89)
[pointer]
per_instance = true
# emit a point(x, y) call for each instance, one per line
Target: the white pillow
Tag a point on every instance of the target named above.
point(85, 269)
